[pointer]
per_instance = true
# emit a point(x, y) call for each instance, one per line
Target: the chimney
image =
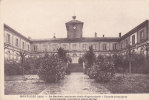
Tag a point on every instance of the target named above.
point(54, 36)
point(95, 35)
point(103, 35)
point(120, 35)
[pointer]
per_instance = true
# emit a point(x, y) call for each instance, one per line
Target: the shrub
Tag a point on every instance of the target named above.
point(103, 70)
point(31, 65)
point(52, 68)
point(121, 63)
point(92, 72)
point(140, 64)
point(12, 68)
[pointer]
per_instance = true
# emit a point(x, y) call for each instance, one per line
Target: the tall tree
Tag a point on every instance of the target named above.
point(22, 55)
point(90, 57)
point(62, 54)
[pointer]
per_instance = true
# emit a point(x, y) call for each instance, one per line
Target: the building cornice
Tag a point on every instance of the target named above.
point(15, 32)
point(134, 29)
point(84, 39)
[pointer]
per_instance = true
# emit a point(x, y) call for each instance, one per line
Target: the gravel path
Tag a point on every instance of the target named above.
point(75, 83)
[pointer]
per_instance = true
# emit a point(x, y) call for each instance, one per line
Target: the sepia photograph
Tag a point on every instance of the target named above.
point(70, 47)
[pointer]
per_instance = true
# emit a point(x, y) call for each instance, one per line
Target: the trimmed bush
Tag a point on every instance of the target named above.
point(52, 68)
point(104, 69)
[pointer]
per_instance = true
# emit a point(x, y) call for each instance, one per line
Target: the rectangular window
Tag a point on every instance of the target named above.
point(16, 42)
point(94, 46)
point(64, 46)
point(122, 44)
point(84, 46)
point(142, 35)
point(22, 45)
point(74, 46)
point(35, 47)
point(114, 46)
point(45, 47)
point(28, 47)
point(133, 39)
point(104, 47)
point(127, 44)
point(54, 46)
point(8, 38)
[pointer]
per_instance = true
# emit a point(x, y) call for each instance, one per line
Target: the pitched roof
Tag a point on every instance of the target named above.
point(74, 21)
point(132, 31)
point(15, 32)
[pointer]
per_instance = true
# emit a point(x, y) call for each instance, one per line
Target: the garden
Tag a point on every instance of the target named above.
point(112, 72)
point(49, 68)
point(115, 73)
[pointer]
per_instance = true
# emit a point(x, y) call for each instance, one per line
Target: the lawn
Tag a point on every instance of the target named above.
point(129, 83)
point(18, 84)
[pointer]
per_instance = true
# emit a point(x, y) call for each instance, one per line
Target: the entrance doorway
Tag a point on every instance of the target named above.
point(75, 58)
point(75, 66)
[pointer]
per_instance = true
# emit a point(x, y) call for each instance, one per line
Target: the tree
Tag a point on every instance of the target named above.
point(90, 57)
point(81, 60)
point(22, 55)
point(62, 54)
point(130, 58)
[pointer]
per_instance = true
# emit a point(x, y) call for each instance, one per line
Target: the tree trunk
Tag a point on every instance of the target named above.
point(130, 67)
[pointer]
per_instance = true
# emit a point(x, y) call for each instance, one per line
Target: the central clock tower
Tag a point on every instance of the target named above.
point(74, 28)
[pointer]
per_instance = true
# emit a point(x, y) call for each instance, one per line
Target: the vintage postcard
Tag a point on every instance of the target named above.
point(74, 49)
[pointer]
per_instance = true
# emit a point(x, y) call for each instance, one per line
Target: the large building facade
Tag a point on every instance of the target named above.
point(136, 40)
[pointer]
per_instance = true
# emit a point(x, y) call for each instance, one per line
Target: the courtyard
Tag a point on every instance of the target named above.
point(75, 83)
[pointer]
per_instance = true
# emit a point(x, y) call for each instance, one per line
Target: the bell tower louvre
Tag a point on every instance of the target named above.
point(74, 28)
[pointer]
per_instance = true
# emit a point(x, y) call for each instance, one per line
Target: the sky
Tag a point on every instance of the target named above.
point(40, 19)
